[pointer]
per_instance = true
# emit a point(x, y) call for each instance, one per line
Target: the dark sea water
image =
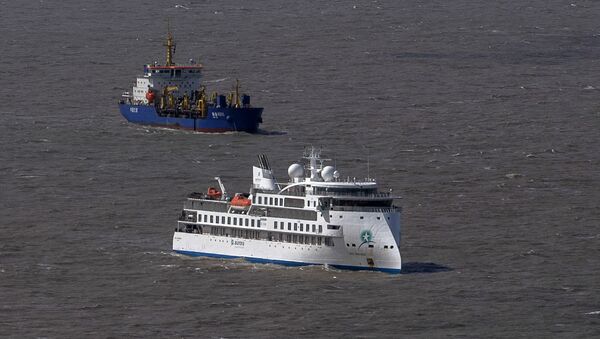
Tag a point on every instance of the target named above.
point(484, 116)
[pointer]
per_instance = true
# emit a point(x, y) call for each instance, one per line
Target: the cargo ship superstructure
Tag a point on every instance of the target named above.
point(314, 219)
point(173, 96)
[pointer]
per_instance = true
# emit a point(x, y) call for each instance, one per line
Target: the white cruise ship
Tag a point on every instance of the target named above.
point(314, 219)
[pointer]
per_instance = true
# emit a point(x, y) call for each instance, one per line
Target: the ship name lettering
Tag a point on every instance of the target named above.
point(237, 243)
point(133, 109)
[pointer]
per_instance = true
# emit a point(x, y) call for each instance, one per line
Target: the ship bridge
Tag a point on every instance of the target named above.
point(177, 79)
point(321, 187)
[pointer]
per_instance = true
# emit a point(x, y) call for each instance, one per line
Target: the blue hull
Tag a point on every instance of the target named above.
point(217, 119)
point(287, 263)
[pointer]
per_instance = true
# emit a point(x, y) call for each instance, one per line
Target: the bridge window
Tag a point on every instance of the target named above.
point(252, 222)
point(275, 224)
point(289, 226)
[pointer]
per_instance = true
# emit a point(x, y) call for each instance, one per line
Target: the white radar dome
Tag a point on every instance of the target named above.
point(327, 173)
point(295, 171)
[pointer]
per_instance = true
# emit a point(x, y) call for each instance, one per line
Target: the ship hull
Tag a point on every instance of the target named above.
point(343, 254)
point(289, 262)
point(227, 119)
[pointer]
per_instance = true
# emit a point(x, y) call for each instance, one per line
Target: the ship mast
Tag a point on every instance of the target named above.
point(170, 46)
point(313, 155)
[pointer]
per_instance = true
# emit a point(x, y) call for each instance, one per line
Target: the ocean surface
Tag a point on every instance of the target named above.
point(483, 116)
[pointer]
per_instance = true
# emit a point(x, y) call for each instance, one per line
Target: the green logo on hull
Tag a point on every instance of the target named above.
point(366, 236)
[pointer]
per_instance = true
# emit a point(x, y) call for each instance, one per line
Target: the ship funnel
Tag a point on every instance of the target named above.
point(262, 176)
point(263, 162)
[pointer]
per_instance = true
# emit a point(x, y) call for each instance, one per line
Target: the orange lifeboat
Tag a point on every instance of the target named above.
point(240, 201)
point(214, 193)
point(150, 96)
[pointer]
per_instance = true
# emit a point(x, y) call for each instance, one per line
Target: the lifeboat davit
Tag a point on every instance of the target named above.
point(150, 96)
point(240, 201)
point(214, 193)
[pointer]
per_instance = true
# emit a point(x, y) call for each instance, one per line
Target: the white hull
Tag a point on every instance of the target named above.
point(348, 250)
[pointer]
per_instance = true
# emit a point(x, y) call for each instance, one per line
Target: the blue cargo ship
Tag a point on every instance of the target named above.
point(173, 96)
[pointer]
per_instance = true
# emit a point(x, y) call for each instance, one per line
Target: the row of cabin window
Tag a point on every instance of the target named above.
point(362, 217)
point(281, 237)
point(289, 227)
point(169, 71)
point(180, 84)
point(234, 232)
point(221, 220)
point(301, 239)
point(269, 201)
point(371, 246)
